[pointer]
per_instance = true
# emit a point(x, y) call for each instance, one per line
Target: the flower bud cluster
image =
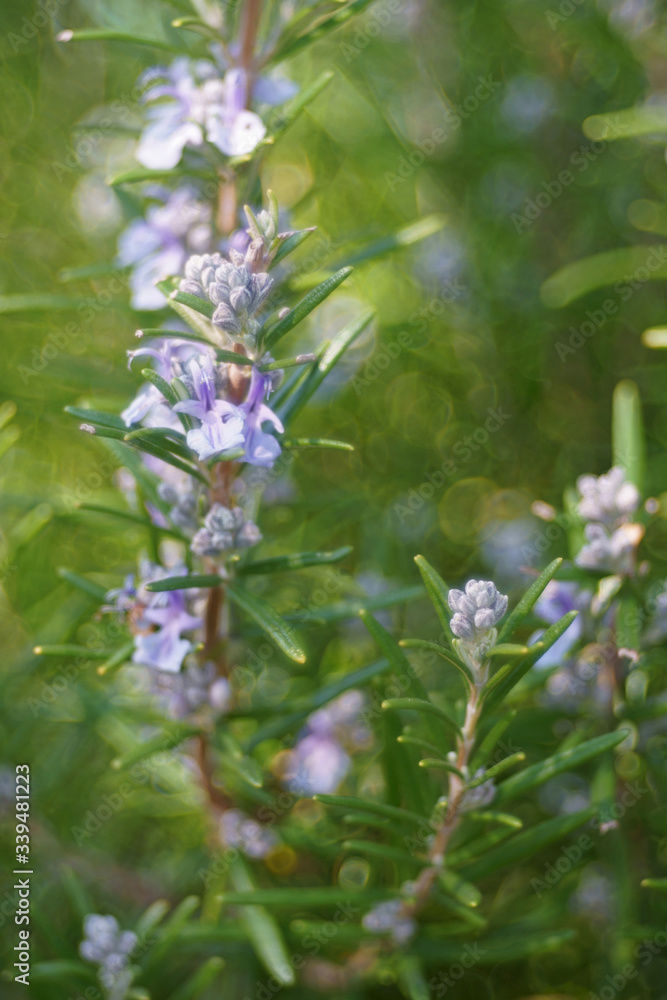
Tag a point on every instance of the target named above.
point(224, 529)
point(232, 286)
point(249, 836)
point(608, 503)
point(108, 947)
point(392, 917)
point(477, 611)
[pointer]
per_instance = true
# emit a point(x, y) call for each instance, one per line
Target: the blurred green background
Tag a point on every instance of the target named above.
point(466, 110)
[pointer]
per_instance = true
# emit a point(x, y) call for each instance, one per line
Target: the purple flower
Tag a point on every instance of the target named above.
point(317, 765)
point(165, 648)
point(260, 448)
point(159, 245)
point(230, 127)
point(177, 120)
point(221, 427)
point(319, 761)
point(194, 104)
point(122, 598)
point(165, 354)
point(556, 600)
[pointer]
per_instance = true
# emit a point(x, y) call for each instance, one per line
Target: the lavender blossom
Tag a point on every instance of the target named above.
point(164, 648)
point(167, 354)
point(189, 104)
point(317, 766)
point(556, 600)
point(160, 244)
point(229, 126)
point(608, 499)
point(221, 423)
point(319, 762)
point(260, 448)
point(224, 529)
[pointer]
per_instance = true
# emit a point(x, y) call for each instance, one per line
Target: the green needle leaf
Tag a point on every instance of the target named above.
point(493, 816)
point(438, 591)
point(83, 583)
point(654, 883)
point(203, 306)
point(199, 981)
point(295, 362)
point(627, 432)
point(508, 649)
point(583, 276)
point(436, 764)
point(157, 744)
point(499, 768)
point(421, 705)
point(298, 560)
point(317, 443)
point(303, 308)
point(528, 600)
point(70, 649)
point(269, 620)
point(382, 851)
point(565, 760)
point(110, 35)
point(329, 358)
point(508, 676)
point(97, 418)
point(129, 515)
point(525, 844)
point(366, 805)
point(441, 651)
point(184, 583)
